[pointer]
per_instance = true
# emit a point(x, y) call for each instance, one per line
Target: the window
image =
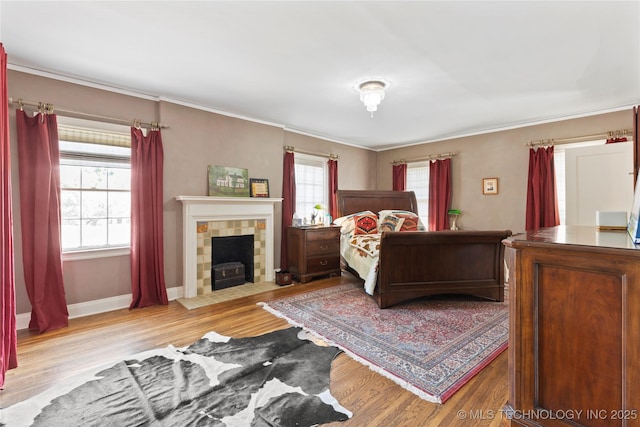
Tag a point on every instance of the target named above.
point(311, 184)
point(418, 182)
point(95, 180)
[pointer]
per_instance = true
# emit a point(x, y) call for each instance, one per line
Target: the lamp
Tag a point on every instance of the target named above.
point(318, 208)
point(455, 213)
point(372, 94)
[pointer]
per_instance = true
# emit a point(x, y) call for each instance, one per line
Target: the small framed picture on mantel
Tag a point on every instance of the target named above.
point(489, 185)
point(259, 187)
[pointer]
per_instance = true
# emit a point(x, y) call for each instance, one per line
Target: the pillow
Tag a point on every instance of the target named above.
point(347, 223)
point(347, 226)
point(366, 223)
point(411, 221)
point(384, 213)
point(342, 219)
point(390, 223)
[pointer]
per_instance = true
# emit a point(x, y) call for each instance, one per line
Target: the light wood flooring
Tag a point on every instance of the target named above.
point(47, 359)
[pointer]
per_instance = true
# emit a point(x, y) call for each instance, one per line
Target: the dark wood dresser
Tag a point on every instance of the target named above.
point(574, 331)
point(313, 251)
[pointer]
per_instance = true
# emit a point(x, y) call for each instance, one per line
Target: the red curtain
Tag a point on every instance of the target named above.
point(542, 200)
point(613, 140)
point(39, 172)
point(288, 203)
point(636, 143)
point(147, 248)
point(333, 187)
point(8, 341)
point(400, 177)
point(439, 194)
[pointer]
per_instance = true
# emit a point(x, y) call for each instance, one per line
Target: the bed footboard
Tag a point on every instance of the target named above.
point(416, 264)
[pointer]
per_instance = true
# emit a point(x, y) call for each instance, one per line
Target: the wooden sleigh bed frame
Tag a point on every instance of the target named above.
point(416, 264)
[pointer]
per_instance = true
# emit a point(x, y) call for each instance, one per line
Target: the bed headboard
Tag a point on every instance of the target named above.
point(352, 201)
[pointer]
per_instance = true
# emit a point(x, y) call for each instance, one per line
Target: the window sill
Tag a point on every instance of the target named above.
point(95, 253)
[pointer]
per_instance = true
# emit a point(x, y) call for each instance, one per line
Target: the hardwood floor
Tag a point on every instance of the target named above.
point(47, 359)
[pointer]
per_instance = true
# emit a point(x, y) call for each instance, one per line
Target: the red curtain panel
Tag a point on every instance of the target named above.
point(8, 340)
point(439, 194)
point(542, 199)
point(400, 177)
point(636, 143)
point(333, 188)
point(39, 173)
point(147, 247)
point(288, 203)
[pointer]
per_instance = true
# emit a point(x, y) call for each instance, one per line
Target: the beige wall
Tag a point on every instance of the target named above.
point(198, 138)
point(356, 167)
point(501, 155)
point(194, 140)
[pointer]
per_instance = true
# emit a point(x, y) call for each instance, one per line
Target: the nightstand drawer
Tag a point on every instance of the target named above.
point(324, 233)
point(323, 247)
point(320, 264)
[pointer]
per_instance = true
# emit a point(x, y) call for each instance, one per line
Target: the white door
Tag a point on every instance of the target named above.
point(598, 178)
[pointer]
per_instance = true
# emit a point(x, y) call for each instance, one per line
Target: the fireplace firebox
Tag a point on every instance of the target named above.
point(232, 250)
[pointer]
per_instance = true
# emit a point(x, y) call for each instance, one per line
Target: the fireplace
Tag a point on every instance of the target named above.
point(205, 217)
point(232, 249)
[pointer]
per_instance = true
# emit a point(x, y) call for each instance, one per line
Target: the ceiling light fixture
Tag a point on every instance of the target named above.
point(372, 93)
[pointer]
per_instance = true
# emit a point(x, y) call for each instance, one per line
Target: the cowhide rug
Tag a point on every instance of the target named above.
point(277, 379)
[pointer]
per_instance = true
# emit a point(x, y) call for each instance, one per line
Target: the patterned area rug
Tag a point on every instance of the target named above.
point(276, 379)
point(431, 346)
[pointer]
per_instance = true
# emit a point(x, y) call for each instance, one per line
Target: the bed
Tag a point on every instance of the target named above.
point(402, 263)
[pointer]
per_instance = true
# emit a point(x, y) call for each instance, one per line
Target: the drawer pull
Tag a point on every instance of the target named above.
point(324, 248)
point(324, 263)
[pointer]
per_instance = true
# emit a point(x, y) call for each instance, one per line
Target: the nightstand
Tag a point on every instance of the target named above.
point(313, 251)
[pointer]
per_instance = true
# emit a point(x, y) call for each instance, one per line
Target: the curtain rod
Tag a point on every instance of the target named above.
point(294, 150)
point(49, 108)
point(420, 159)
point(609, 135)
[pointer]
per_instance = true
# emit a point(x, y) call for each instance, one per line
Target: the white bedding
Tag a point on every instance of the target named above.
point(361, 252)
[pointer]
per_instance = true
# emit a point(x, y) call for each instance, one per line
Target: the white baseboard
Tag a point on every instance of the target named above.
point(98, 306)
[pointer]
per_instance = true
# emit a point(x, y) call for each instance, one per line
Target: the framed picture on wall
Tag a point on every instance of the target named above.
point(489, 185)
point(259, 187)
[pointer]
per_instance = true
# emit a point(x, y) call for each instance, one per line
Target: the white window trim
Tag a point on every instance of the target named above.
point(424, 216)
point(92, 126)
point(325, 173)
point(82, 254)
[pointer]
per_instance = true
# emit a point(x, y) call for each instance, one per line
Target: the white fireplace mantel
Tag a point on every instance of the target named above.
point(204, 208)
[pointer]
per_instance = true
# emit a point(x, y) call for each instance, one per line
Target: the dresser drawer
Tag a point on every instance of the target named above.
point(323, 247)
point(320, 264)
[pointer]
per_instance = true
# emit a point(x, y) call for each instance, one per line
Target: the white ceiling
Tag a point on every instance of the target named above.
point(455, 68)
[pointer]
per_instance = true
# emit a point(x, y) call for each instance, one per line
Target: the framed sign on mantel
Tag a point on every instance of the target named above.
point(259, 187)
point(227, 181)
